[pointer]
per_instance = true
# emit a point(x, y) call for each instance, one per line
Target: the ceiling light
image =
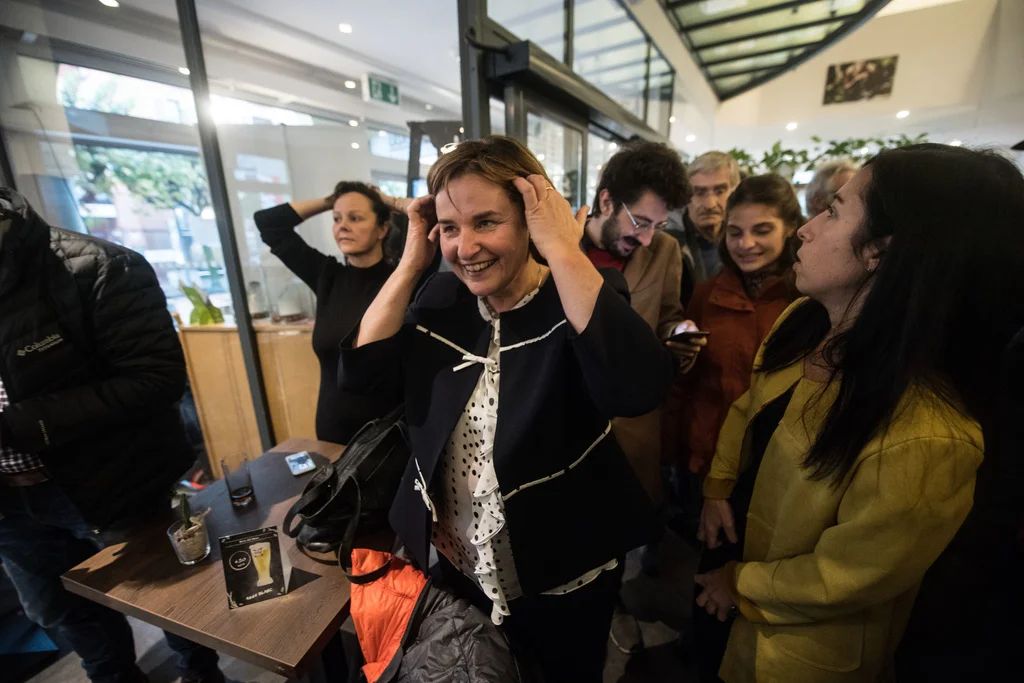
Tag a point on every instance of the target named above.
point(791, 125)
point(540, 157)
point(382, 133)
point(691, 138)
point(345, 28)
point(350, 84)
point(110, 3)
point(429, 107)
point(355, 145)
point(353, 123)
point(902, 114)
point(955, 143)
point(183, 70)
point(671, 119)
point(613, 145)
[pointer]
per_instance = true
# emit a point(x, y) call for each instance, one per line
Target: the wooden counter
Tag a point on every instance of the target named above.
point(291, 374)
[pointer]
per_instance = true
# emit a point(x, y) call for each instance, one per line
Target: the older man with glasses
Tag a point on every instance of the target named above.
point(638, 188)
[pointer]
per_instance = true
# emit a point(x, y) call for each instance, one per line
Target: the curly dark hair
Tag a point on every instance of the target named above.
point(642, 166)
point(382, 210)
point(398, 223)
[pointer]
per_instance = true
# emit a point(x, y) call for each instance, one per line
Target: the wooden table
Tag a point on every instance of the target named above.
point(142, 578)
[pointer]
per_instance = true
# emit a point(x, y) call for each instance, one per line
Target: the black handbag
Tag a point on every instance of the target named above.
point(355, 491)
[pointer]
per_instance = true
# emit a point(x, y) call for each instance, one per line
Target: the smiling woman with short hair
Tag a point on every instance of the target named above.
point(510, 371)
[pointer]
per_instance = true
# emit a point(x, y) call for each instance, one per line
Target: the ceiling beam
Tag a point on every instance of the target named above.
point(762, 53)
point(774, 32)
point(746, 72)
point(740, 16)
point(681, 3)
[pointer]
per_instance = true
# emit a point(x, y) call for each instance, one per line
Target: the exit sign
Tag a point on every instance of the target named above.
point(376, 89)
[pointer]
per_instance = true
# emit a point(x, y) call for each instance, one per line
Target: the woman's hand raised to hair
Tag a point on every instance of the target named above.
point(421, 238)
point(549, 217)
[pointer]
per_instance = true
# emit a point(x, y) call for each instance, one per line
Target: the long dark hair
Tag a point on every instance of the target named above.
point(775, 191)
point(946, 298)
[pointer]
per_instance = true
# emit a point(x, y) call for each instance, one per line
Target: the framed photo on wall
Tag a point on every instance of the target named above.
point(864, 79)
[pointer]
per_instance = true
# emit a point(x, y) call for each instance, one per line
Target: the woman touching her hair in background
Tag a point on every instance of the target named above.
point(361, 221)
point(864, 416)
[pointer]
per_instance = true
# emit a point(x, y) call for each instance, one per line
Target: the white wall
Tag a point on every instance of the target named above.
point(959, 70)
point(958, 75)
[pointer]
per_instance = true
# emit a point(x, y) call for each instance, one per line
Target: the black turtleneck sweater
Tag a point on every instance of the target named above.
point(343, 293)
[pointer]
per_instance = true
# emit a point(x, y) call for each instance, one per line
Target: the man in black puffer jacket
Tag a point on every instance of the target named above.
point(90, 436)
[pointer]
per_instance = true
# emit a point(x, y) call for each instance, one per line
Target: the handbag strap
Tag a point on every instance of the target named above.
point(348, 539)
point(312, 492)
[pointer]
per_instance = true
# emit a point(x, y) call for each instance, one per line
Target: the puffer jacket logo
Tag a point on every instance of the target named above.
point(42, 345)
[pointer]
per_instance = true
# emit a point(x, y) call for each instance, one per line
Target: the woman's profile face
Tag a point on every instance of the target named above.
point(828, 266)
point(483, 235)
point(355, 224)
point(755, 236)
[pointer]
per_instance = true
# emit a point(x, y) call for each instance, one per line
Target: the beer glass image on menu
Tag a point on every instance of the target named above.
point(261, 560)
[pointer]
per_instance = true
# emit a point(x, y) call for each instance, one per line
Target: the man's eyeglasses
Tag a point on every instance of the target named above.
point(643, 226)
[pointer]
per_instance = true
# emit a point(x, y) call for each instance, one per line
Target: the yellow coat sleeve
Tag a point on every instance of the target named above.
point(729, 450)
point(901, 509)
point(726, 463)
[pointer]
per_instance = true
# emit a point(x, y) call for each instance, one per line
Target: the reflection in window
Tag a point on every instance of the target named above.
point(599, 151)
point(92, 90)
point(384, 143)
point(110, 93)
point(260, 169)
point(610, 51)
point(559, 149)
point(391, 184)
point(542, 21)
point(157, 203)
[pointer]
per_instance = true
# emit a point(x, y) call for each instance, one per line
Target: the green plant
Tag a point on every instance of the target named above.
point(776, 158)
point(184, 511)
point(861, 149)
point(746, 162)
point(784, 161)
point(164, 180)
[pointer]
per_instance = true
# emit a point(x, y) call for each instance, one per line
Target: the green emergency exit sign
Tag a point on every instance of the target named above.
point(380, 90)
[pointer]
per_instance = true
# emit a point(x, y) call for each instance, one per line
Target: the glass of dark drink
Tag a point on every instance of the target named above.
point(238, 480)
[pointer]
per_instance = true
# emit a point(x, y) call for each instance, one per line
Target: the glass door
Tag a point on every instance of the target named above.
point(558, 145)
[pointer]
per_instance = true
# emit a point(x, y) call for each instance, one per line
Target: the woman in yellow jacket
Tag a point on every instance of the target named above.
point(861, 435)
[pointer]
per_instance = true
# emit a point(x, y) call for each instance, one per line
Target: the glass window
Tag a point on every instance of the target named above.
point(112, 93)
point(610, 51)
point(599, 151)
point(541, 21)
point(747, 63)
point(659, 93)
point(117, 177)
point(384, 143)
point(815, 11)
point(497, 117)
point(560, 149)
point(390, 184)
point(796, 39)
